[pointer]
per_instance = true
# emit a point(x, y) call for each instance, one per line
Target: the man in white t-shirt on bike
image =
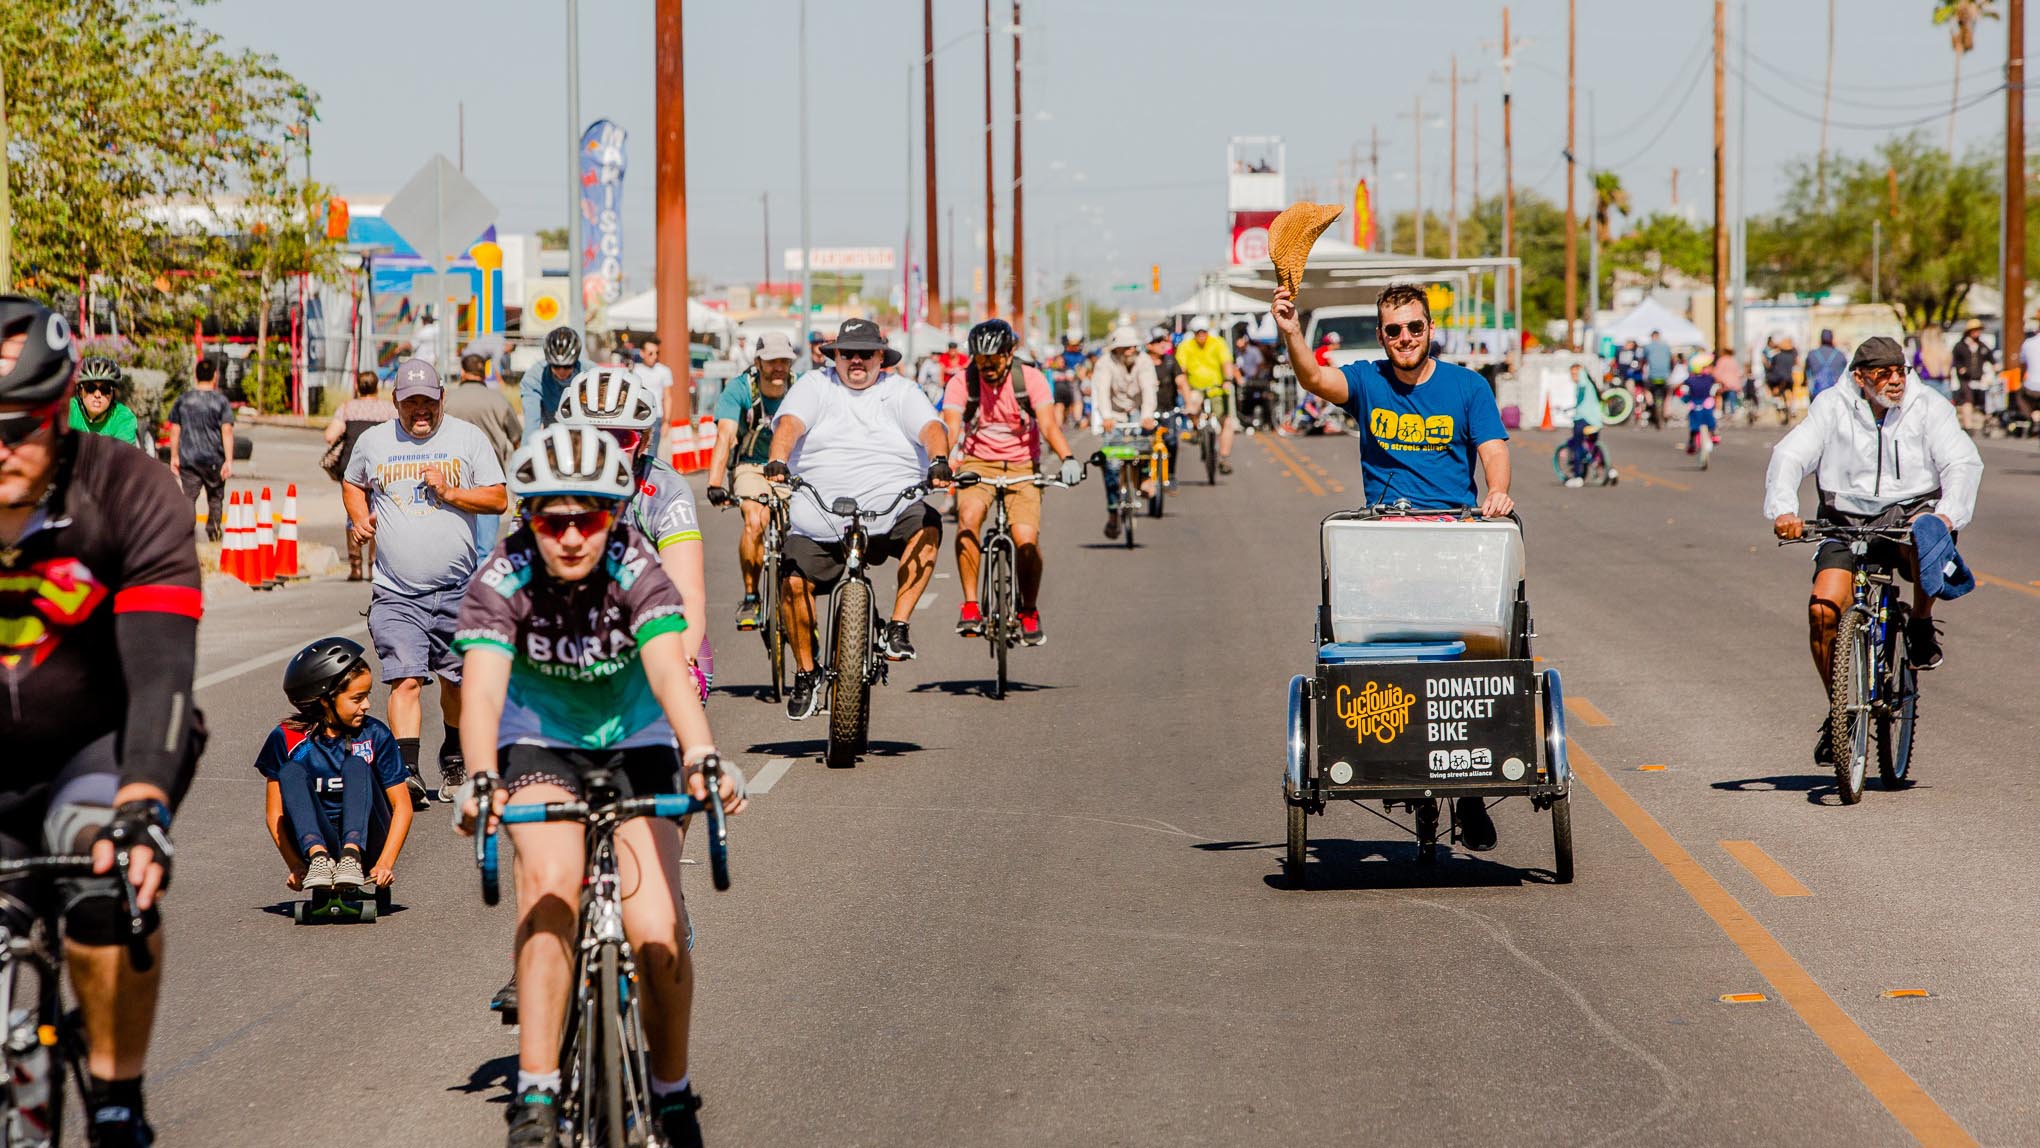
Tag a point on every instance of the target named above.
point(855, 430)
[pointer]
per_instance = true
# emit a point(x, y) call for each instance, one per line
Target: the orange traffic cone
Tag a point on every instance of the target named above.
point(1545, 422)
point(286, 535)
point(265, 540)
point(704, 441)
point(679, 444)
point(230, 546)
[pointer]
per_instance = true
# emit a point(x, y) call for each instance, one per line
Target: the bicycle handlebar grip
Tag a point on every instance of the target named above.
point(675, 805)
point(526, 814)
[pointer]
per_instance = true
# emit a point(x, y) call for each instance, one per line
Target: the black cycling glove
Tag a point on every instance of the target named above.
point(718, 496)
point(142, 823)
point(776, 470)
point(938, 471)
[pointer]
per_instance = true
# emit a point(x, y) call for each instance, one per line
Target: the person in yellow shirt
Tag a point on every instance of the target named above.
point(1208, 368)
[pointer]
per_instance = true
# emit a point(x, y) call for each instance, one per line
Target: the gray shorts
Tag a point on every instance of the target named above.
point(413, 634)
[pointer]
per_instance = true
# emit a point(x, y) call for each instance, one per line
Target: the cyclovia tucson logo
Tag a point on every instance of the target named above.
point(1374, 712)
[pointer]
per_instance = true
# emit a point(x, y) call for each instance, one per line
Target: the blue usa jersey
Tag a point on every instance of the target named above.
point(322, 757)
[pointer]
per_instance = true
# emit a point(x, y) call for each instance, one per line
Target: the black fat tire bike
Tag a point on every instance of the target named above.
point(851, 661)
point(999, 564)
point(606, 1072)
point(1873, 686)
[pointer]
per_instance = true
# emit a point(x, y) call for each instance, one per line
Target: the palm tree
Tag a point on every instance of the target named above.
point(1609, 195)
point(1961, 17)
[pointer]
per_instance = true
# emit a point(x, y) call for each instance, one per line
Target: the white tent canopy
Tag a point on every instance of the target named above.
point(1651, 315)
point(640, 312)
point(1216, 299)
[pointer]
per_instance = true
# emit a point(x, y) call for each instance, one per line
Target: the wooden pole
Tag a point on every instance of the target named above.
point(6, 206)
point(1827, 93)
point(2014, 307)
point(1019, 217)
point(934, 268)
point(991, 199)
point(1720, 328)
point(1572, 239)
point(1509, 163)
point(670, 197)
point(1453, 179)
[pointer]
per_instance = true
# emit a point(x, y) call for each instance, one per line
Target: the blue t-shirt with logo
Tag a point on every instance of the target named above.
point(1419, 443)
point(322, 757)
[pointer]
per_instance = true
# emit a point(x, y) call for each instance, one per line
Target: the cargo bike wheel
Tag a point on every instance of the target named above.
point(1558, 771)
point(1295, 781)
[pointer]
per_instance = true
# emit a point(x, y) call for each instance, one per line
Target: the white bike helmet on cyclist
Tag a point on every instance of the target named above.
point(609, 397)
point(576, 461)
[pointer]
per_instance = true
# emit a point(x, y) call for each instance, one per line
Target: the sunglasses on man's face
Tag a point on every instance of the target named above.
point(1878, 374)
point(857, 356)
point(18, 428)
point(1416, 328)
point(588, 522)
point(95, 388)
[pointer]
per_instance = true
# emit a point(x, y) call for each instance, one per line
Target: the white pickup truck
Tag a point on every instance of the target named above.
point(1358, 327)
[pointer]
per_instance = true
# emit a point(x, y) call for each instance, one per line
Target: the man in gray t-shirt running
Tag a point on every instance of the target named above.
point(416, 486)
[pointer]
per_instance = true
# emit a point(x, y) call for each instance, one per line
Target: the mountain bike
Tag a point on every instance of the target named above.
point(44, 1042)
point(606, 1081)
point(1872, 681)
point(1000, 563)
point(851, 662)
point(772, 624)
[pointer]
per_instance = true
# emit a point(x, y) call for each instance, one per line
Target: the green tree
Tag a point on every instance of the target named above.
point(149, 164)
point(1609, 197)
point(552, 238)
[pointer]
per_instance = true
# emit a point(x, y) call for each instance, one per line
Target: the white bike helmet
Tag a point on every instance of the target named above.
point(571, 460)
point(608, 397)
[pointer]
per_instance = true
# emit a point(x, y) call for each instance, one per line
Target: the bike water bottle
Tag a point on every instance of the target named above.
point(30, 1066)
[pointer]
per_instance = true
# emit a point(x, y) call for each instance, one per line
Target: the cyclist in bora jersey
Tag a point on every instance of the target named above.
point(998, 426)
point(573, 660)
point(99, 609)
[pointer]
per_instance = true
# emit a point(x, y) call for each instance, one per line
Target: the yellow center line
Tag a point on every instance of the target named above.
point(1893, 1087)
point(1587, 712)
point(1295, 468)
point(1766, 869)
point(2007, 583)
point(1650, 479)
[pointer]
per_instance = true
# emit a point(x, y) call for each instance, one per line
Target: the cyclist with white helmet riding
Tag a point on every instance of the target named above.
point(545, 381)
point(571, 636)
point(998, 424)
point(618, 402)
point(97, 409)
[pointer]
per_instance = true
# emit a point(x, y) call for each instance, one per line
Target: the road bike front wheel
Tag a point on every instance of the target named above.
point(1207, 441)
point(999, 627)
point(774, 629)
point(849, 691)
point(1848, 709)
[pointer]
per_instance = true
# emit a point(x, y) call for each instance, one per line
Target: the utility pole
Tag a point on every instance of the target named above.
point(765, 214)
point(1827, 94)
point(991, 202)
point(933, 272)
point(1417, 129)
point(1019, 217)
point(1741, 254)
point(670, 89)
point(1720, 328)
point(576, 305)
point(1572, 239)
point(6, 205)
point(948, 315)
point(1385, 237)
point(1593, 226)
point(1508, 160)
point(807, 246)
point(1453, 180)
point(2014, 296)
point(1476, 157)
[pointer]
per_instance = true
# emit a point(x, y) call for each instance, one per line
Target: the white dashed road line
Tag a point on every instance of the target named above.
point(207, 681)
point(768, 776)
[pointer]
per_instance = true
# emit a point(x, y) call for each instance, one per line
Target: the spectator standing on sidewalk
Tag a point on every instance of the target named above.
point(659, 377)
point(366, 409)
point(417, 485)
point(1657, 375)
point(1824, 365)
point(478, 401)
point(202, 444)
point(1973, 359)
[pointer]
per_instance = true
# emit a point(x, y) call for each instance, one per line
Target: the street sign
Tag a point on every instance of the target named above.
point(439, 213)
point(1127, 287)
point(844, 259)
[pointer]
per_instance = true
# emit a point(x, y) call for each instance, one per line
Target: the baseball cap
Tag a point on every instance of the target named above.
point(416, 377)
point(775, 345)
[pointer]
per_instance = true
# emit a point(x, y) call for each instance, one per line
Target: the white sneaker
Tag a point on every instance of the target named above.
point(347, 875)
point(319, 872)
point(1575, 482)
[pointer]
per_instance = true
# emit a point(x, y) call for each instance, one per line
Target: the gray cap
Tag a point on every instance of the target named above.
point(417, 377)
point(775, 345)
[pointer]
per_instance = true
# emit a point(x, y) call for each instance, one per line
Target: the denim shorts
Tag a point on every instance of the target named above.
point(413, 634)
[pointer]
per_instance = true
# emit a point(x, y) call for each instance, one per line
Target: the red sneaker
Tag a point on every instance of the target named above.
point(1031, 633)
point(969, 622)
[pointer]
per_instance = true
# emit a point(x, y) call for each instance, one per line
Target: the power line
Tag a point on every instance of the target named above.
point(1980, 75)
point(1879, 127)
point(1813, 89)
point(1678, 107)
point(1697, 55)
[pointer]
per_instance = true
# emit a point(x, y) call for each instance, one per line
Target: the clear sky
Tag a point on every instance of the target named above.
point(1129, 105)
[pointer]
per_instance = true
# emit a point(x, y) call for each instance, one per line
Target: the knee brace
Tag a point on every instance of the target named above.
point(95, 912)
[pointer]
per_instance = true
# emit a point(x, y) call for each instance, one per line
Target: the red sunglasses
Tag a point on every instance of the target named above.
point(18, 428)
point(625, 438)
point(588, 522)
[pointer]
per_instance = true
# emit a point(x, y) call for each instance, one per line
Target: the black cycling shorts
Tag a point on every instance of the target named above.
point(821, 563)
point(641, 770)
point(77, 804)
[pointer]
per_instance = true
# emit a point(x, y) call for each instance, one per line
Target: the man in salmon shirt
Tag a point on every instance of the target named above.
point(999, 434)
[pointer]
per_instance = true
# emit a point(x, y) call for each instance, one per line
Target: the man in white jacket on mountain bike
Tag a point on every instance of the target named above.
point(1884, 451)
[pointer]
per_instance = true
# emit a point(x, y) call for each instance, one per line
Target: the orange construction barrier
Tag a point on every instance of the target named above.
point(265, 540)
point(286, 535)
point(230, 545)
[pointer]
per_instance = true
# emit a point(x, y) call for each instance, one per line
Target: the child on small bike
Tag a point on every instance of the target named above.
point(1700, 392)
point(1588, 418)
point(338, 795)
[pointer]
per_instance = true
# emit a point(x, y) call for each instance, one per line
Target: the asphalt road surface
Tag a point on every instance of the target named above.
point(1060, 918)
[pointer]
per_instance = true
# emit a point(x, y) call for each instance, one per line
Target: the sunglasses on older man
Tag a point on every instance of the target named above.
point(21, 426)
point(845, 353)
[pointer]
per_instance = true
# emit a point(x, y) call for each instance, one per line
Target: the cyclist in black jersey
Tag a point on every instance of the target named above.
point(99, 609)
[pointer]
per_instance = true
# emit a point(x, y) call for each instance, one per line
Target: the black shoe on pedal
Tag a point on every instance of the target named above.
point(534, 1117)
point(748, 612)
point(1112, 527)
point(1923, 643)
point(1476, 828)
point(504, 1003)
point(894, 643)
point(806, 696)
point(117, 1126)
point(675, 1113)
point(1824, 749)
